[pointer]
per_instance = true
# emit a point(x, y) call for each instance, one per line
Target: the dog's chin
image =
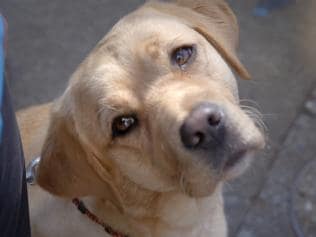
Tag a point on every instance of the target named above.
point(199, 185)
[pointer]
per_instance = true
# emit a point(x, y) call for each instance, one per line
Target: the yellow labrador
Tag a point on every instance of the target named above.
point(147, 130)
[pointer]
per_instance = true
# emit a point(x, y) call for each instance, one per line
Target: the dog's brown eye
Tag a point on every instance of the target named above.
point(181, 56)
point(123, 124)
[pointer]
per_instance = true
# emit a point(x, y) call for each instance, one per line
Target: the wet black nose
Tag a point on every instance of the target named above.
point(204, 128)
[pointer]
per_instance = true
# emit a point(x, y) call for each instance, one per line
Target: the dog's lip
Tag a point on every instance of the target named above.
point(236, 158)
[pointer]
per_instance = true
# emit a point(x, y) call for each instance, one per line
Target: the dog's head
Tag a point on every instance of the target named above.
point(155, 103)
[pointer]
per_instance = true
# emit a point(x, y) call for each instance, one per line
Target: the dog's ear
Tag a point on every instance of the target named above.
point(69, 169)
point(214, 20)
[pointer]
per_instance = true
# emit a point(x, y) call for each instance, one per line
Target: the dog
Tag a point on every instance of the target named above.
point(147, 131)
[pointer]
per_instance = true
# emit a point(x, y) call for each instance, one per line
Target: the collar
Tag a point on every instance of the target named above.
point(85, 211)
point(31, 179)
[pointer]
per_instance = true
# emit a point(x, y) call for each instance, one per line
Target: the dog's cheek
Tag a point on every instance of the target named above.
point(136, 166)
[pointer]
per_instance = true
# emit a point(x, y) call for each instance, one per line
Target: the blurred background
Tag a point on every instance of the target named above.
point(277, 196)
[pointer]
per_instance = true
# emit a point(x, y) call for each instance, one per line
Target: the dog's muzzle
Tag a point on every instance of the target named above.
point(209, 133)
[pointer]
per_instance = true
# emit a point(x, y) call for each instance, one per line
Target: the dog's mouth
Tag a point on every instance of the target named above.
point(234, 159)
point(237, 163)
point(200, 180)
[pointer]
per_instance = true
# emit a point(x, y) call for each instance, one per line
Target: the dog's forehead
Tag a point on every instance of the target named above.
point(143, 25)
point(135, 36)
point(114, 62)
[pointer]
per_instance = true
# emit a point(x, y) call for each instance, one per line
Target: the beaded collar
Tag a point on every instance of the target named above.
point(85, 211)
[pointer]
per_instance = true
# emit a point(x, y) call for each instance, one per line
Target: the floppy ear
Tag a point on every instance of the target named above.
point(68, 169)
point(215, 21)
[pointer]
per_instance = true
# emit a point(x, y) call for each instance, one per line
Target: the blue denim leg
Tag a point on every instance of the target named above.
point(14, 212)
point(1, 70)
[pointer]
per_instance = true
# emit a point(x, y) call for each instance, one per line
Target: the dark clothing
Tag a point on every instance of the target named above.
point(14, 214)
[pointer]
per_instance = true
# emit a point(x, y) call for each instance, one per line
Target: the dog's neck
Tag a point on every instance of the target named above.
point(165, 214)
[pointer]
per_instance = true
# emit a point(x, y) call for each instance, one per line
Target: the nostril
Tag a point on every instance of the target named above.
point(197, 139)
point(214, 119)
point(192, 140)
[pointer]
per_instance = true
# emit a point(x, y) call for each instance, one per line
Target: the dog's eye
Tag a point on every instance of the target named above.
point(181, 56)
point(123, 124)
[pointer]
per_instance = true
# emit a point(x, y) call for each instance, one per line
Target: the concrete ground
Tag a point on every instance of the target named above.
point(48, 39)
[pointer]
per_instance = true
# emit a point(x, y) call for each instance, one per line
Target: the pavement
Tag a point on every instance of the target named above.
point(48, 39)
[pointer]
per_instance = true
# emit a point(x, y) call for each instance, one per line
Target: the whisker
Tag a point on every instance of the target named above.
point(256, 116)
point(250, 102)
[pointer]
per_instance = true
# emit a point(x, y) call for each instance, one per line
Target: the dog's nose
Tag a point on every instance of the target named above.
point(204, 128)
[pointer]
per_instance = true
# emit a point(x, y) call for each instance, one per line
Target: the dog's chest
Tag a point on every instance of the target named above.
point(186, 217)
point(178, 216)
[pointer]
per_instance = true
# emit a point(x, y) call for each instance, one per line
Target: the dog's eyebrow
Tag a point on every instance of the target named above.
point(118, 104)
point(107, 108)
point(179, 39)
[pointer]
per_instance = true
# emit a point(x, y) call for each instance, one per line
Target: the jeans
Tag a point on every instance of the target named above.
point(14, 213)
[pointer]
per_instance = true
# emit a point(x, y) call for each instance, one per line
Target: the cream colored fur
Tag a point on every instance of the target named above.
point(145, 183)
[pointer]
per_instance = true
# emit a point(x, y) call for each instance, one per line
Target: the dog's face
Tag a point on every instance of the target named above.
point(155, 103)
